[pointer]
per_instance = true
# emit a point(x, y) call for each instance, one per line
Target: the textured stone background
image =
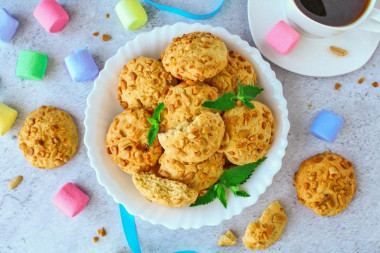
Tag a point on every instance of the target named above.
point(30, 223)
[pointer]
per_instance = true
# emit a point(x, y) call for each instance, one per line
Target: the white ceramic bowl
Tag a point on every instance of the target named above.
point(103, 106)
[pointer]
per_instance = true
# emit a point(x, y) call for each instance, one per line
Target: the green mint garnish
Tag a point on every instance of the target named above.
point(230, 179)
point(228, 100)
point(155, 123)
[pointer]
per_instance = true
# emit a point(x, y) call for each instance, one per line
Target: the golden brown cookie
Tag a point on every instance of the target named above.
point(184, 102)
point(164, 191)
point(237, 68)
point(195, 56)
point(266, 230)
point(229, 239)
point(127, 141)
point(196, 141)
point(249, 133)
point(143, 83)
point(48, 138)
point(198, 176)
point(325, 183)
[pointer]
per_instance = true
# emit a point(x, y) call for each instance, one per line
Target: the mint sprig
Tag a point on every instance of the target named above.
point(228, 100)
point(230, 179)
point(155, 123)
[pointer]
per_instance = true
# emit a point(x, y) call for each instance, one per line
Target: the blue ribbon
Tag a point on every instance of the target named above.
point(184, 13)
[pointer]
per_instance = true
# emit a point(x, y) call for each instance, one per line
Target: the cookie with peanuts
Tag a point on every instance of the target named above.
point(195, 141)
point(48, 138)
point(143, 83)
point(238, 68)
point(184, 102)
point(195, 56)
point(127, 141)
point(325, 183)
point(249, 133)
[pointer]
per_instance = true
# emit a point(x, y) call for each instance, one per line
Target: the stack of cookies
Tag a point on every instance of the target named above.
point(193, 141)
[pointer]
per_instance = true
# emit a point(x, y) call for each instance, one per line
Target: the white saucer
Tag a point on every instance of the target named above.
point(311, 56)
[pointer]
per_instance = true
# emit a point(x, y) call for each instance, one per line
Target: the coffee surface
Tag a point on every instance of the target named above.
point(333, 12)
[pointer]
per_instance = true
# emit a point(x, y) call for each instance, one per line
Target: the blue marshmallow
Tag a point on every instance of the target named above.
point(81, 66)
point(8, 25)
point(327, 125)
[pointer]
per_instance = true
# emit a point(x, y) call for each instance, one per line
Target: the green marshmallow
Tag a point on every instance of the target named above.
point(31, 65)
point(131, 14)
point(7, 118)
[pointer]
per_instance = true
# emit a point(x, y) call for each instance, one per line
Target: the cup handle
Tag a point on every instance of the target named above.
point(372, 24)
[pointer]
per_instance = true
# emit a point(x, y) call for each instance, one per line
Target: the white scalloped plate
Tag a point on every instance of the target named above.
point(103, 106)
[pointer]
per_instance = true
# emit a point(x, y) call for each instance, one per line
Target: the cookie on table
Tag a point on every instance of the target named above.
point(163, 191)
point(143, 83)
point(184, 102)
point(229, 239)
point(199, 176)
point(48, 138)
point(249, 133)
point(196, 141)
point(195, 56)
point(127, 141)
point(325, 183)
point(266, 230)
point(238, 68)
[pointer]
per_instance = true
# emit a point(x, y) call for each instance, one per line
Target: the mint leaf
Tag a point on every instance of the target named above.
point(153, 131)
point(238, 193)
point(247, 103)
point(251, 91)
point(222, 103)
point(209, 197)
point(157, 112)
point(241, 92)
point(152, 120)
point(239, 174)
point(221, 194)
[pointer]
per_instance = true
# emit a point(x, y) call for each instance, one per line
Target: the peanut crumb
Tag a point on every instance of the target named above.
point(107, 15)
point(95, 34)
point(338, 51)
point(95, 239)
point(310, 105)
point(15, 182)
point(337, 86)
point(361, 80)
point(375, 84)
point(106, 37)
point(102, 232)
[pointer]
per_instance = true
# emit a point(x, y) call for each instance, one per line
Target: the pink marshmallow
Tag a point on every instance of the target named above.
point(51, 15)
point(282, 37)
point(70, 200)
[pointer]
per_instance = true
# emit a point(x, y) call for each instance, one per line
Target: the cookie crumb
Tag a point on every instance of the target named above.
point(107, 15)
point(106, 37)
point(310, 105)
point(95, 34)
point(228, 239)
point(337, 86)
point(15, 182)
point(338, 51)
point(95, 239)
point(361, 80)
point(375, 84)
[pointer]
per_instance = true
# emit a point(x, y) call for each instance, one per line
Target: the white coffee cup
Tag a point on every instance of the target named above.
point(369, 21)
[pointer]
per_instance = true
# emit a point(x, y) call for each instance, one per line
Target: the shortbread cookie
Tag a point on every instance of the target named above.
point(238, 68)
point(249, 133)
point(199, 176)
point(48, 137)
point(229, 239)
point(196, 141)
point(325, 183)
point(164, 191)
point(266, 230)
point(184, 102)
point(195, 56)
point(143, 83)
point(127, 141)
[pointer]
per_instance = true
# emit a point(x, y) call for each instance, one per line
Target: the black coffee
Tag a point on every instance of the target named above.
point(333, 12)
